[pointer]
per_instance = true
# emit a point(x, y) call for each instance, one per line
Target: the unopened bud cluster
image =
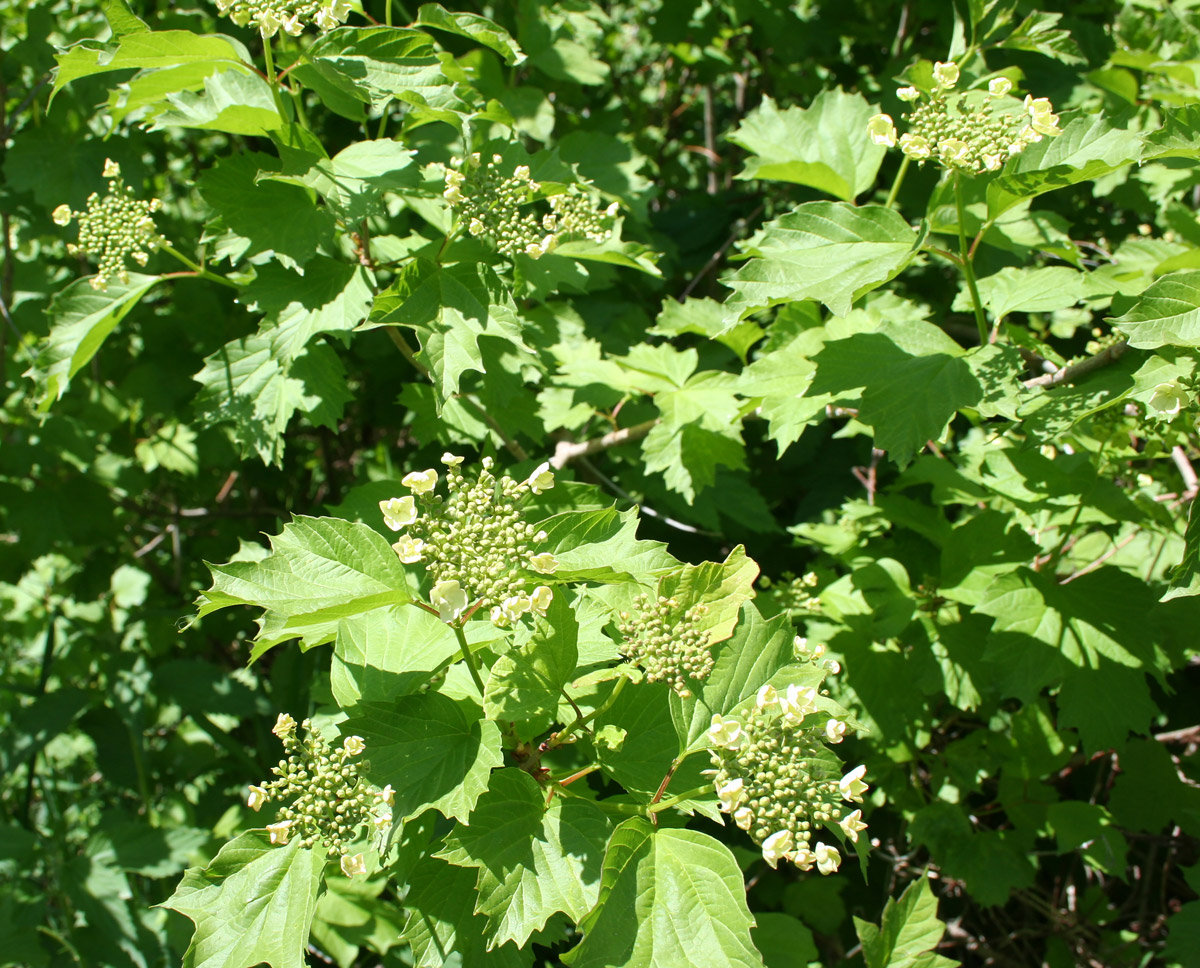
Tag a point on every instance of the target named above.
point(669, 648)
point(772, 777)
point(493, 203)
point(333, 803)
point(291, 16)
point(473, 542)
point(964, 130)
point(114, 227)
point(793, 593)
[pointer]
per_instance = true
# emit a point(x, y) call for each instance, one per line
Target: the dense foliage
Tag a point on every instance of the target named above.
point(712, 481)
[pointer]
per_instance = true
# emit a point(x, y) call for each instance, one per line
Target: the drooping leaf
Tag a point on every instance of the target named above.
point(1039, 32)
point(721, 587)
point(252, 904)
point(667, 898)
point(602, 545)
point(534, 859)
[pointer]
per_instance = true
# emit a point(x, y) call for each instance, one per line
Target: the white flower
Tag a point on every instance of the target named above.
point(279, 831)
point(269, 23)
point(387, 795)
point(284, 725)
point(833, 666)
point(993, 162)
point(325, 19)
point(1045, 124)
point(539, 601)
point(908, 94)
point(496, 614)
point(835, 730)
point(953, 149)
point(449, 599)
point(828, 858)
point(340, 9)
point(420, 482)
point(409, 549)
point(382, 822)
point(743, 817)
point(730, 794)
point(725, 732)
point(800, 644)
point(476, 227)
point(777, 847)
point(804, 858)
point(852, 786)
point(62, 215)
point(798, 702)
point(999, 86)
point(450, 460)
point(353, 865)
point(398, 512)
point(111, 169)
point(612, 209)
point(946, 74)
point(767, 696)
point(1038, 106)
point(514, 607)
point(293, 26)
point(851, 824)
point(354, 745)
point(258, 796)
point(915, 146)
point(1168, 399)
point(453, 195)
point(542, 478)
point(543, 563)
point(882, 130)
point(521, 173)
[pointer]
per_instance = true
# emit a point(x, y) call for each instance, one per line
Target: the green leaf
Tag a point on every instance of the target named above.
point(667, 898)
point(829, 251)
point(602, 545)
point(354, 180)
point(1087, 148)
point(824, 146)
point(318, 572)
point(1026, 290)
point(473, 27)
point(252, 904)
point(231, 101)
point(783, 941)
point(442, 923)
point(721, 587)
point(121, 19)
point(525, 683)
point(437, 753)
point(82, 318)
point(1185, 580)
point(705, 317)
point(1179, 136)
point(533, 860)
point(449, 308)
point(1088, 828)
point(1040, 32)
point(779, 381)
point(1166, 314)
point(909, 933)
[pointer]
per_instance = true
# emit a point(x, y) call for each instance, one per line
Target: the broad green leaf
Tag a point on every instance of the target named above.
point(829, 251)
point(231, 101)
point(526, 682)
point(1088, 828)
point(779, 381)
point(783, 941)
point(534, 859)
point(319, 571)
point(437, 753)
point(252, 904)
point(1087, 148)
point(473, 27)
point(1026, 290)
point(602, 545)
point(449, 308)
point(354, 180)
point(442, 927)
point(668, 898)
point(614, 250)
point(146, 50)
point(1040, 32)
point(82, 319)
point(388, 652)
point(824, 146)
point(1179, 136)
point(705, 317)
point(121, 19)
point(909, 933)
point(721, 587)
point(1185, 580)
point(1167, 314)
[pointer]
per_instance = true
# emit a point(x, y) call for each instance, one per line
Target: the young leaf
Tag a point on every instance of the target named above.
point(602, 545)
point(319, 571)
point(909, 933)
point(252, 904)
point(721, 587)
point(667, 898)
point(1026, 290)
point(533, 859)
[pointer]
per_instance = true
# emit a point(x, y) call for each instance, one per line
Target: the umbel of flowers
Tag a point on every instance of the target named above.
point(291, 16)
point(774, 776)
point(476, 547)
point(333, 803)
point(113, 227)
point(668, 647)
point(972, 131)
point(493, 206)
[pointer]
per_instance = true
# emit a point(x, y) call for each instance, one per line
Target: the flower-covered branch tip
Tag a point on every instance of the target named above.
point(972, 131)
point(473, 541)
point(669, 647)
point(290, 16)
point(333, 803)
point(113, 227)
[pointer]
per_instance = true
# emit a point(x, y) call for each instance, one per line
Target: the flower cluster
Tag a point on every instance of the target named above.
point(332, 801)
point(113, 227)
point(493, 206)
point(669, 648)
point(774, 776)
point(473, 542)
point(291, 16)
point(793, 593)
point(964, 130)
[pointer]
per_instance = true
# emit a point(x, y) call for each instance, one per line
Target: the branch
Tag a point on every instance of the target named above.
point(567, 450)
point(1186, 471)
point(1069, 374)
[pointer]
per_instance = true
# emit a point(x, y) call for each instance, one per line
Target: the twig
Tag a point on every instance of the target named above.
point(739, 227)
point(407, 352)
point(1186, 471)
point(1069, 374)
point(1092, 566)
point(1187, 735)
point(645, 508)
point(710, 140)
point(510, 444)
point(567, 450)
point(866, 475)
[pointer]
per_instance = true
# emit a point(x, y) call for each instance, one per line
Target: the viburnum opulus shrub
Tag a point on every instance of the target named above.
point(725, 472)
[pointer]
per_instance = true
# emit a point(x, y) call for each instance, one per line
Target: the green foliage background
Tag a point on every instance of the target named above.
point(786, 358)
